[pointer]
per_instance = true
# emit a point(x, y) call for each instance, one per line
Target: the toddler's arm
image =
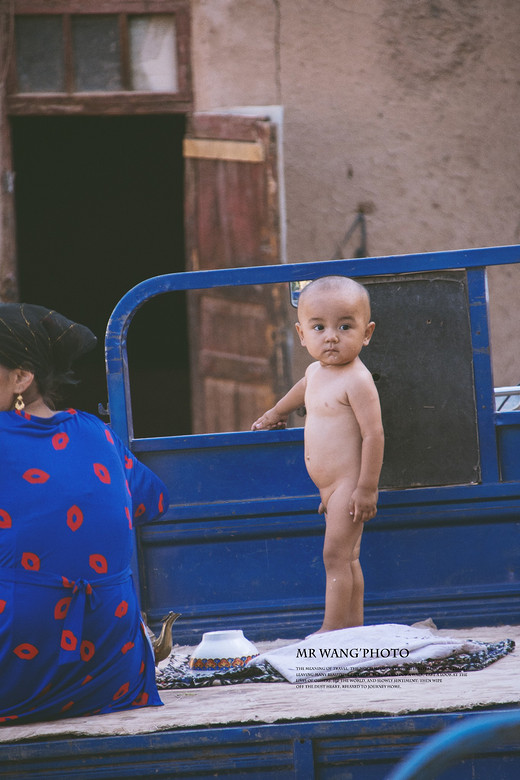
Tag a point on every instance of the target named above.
point(366, 407)
point(277, 416)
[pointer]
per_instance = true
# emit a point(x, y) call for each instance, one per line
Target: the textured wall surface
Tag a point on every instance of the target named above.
point(408, 110)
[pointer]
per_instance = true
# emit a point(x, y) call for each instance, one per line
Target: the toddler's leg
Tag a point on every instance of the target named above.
point(345, 586)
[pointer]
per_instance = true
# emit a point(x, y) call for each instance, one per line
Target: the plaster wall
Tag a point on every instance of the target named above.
point(408, 111)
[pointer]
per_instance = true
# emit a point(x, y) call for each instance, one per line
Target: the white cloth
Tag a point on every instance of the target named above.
point(335, 653)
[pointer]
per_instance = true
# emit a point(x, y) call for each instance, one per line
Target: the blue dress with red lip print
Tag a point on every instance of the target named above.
point(72, 640)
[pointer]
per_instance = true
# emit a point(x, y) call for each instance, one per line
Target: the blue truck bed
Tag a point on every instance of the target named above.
point(240, 545)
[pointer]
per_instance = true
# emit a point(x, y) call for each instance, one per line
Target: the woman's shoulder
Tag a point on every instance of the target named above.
point(87, 422)
point(82, 416)
point(76, 417)
point(101, 425)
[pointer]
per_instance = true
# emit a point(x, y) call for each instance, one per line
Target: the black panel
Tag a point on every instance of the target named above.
point(421, 358)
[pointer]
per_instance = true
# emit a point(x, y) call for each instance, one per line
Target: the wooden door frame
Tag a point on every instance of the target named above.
point(8, 264)
point(74, 104)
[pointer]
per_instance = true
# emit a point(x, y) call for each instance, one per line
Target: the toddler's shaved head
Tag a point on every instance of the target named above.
point(336, 284)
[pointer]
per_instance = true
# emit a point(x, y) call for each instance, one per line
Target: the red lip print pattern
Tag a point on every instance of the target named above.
point(36, 476)
point(122, 691)
point(121, 609)
point(98, 563)
point(60, 441)
point(26, 651)
point(5, 519)
point(68, 640)
point(68, 491)
point(102, 473)
point(30, 561)
point(86, 650)
point(74, 518)
point(61, 608)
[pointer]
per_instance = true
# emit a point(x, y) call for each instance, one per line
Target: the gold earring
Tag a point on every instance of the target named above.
point(19, 403)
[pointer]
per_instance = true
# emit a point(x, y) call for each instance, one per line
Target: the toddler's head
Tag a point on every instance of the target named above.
point(334, 319)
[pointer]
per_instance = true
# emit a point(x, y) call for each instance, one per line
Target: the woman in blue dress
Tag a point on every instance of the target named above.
point(72, 641)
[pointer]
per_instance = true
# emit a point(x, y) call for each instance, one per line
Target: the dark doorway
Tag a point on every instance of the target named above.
point(99, 208)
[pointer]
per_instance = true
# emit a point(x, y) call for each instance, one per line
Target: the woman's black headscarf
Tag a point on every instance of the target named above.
point(41, 341)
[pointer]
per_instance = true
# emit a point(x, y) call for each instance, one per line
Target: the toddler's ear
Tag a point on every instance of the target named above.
point(368, 333)
point(299, 331)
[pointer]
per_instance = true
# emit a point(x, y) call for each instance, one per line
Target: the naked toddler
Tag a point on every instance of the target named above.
point(344, 437)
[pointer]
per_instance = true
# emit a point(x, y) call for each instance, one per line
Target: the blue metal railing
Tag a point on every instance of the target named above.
point(117, 329)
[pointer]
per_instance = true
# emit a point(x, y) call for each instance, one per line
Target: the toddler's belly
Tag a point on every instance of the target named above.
point(332, 452)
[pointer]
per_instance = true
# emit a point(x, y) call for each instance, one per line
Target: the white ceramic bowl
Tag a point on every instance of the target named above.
point(222, 650)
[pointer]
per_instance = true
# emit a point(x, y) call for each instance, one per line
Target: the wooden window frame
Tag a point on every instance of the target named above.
point(121, 102)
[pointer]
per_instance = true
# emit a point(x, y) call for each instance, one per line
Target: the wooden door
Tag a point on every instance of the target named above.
point(237, 334)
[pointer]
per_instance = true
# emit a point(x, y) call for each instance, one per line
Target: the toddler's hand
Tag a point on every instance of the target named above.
point(268, 421)
point(363, 505)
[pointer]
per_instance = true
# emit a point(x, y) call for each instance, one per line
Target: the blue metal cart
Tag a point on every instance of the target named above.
point(240, 545)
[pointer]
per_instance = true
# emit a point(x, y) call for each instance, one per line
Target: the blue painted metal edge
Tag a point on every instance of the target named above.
point(482, 375)
point(507, 418)
point(209, 440)
point(368, 733)
point(409, 596)
point(462, 599)
point(286, 622)
point(189, 523)
point(420, 499)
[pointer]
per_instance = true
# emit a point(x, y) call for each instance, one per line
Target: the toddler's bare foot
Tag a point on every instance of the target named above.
point(316, 633)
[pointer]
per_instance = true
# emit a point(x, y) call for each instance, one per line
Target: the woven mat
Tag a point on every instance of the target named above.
point(176, 673)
